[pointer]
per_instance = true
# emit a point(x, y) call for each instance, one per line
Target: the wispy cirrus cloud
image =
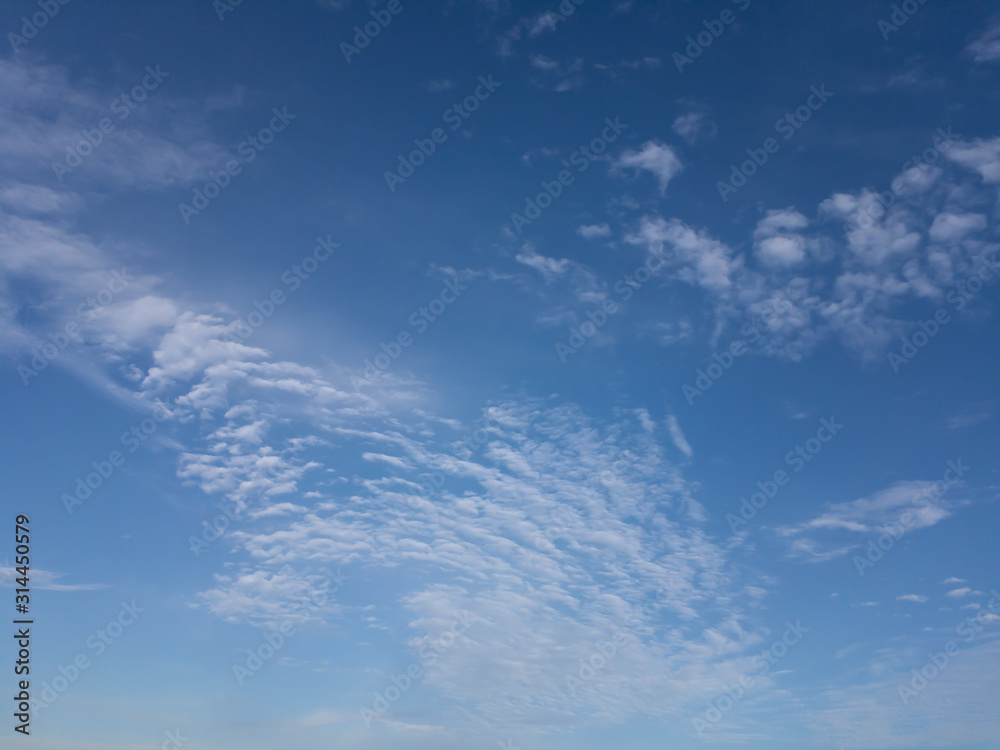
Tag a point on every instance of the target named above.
point(45, 580)
point(811, 540)
point(986, 48)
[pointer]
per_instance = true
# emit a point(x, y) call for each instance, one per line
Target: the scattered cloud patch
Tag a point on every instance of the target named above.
point(677, 435)
point(694, 127)
point(986, 49)
point(594, 231)
point(654, 157)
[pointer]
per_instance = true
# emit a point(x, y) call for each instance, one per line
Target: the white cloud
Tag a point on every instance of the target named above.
point(677, 435)
point(37, 199)
point(781, 251)
point(436, 87)
point(643, 63)
point(972, 415)
point(515, 536)
point(986, 49)
point(959, 593)
point(270, 598)
point(654, 157)
point(543, 23)
point(558, 76)
point(954, 580)
point(694, 127)
point(549, 268)
point(980, 155)
point(45, 580)
point(528, 482)
point(154, 148)
point(951, 227)
point(673, 332)
point(702, 260)
point(869, 713)
point(869, 516)
point(776, 238)
point(918, 598)
point(593, 231)
point(778, 221)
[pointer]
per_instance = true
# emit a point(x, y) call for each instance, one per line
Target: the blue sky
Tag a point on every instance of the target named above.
point(522, 375)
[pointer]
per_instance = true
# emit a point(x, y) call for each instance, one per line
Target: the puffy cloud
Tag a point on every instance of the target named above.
point(951, 227)
point(980, 155)
point(654, 157)
point(776, 241)
point(549, 268)
point(593, 231)
point(699, 259)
